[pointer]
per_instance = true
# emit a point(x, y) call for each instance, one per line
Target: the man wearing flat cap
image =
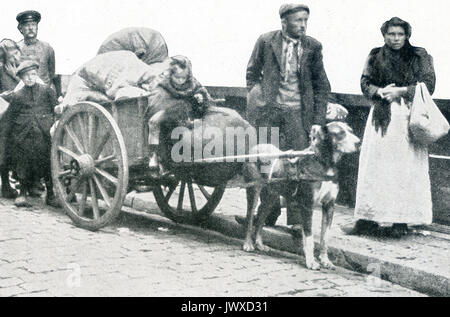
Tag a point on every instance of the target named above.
point(32, 48)
point(288, 90)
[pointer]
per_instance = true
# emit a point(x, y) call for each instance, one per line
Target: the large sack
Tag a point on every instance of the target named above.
point(109, 72)
point(147, 44)
point(222, 132)
point(111, 76)
point(79, 90)
point(130, 92)
point(255, 102)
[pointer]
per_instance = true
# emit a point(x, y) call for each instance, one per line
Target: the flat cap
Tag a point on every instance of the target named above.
point(26, 66)
point(289, 8)
point(29, 15)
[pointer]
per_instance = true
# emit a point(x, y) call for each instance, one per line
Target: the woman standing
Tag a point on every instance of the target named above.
point(9, 60)
point(393, 181)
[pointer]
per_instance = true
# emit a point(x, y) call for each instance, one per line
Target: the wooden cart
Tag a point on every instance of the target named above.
point(100, 153)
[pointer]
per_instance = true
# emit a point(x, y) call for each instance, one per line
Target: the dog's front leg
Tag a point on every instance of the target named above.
point(252, 203)
point(265, 209)
point(327, 219)
point(308, 249)
point(304, 199)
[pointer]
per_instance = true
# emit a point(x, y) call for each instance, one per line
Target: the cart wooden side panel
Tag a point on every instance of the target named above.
point(131, 116)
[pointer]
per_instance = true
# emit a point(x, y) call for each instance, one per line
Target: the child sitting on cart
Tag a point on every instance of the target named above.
point(194, 101)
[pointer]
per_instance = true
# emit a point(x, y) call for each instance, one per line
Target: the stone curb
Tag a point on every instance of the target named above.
point(403, 275)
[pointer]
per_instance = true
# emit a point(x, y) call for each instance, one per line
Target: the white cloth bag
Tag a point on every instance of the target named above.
point(427, 124)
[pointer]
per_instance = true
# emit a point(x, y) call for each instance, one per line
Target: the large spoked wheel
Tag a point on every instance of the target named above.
point(181, 200)
point(89, 165)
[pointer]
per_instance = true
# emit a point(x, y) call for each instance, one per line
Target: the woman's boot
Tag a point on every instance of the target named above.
point(398, 230)
point(362, 227)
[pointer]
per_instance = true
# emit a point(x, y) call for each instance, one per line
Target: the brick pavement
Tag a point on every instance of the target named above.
point(418, 261)
point(43, 254)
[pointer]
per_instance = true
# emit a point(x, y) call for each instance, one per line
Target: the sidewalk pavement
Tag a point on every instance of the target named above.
point(419, 261)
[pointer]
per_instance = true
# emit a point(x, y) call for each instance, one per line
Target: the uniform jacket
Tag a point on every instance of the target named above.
point(264, 68)
point(45, 55)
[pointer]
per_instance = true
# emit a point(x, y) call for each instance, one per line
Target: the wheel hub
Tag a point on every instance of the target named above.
point(86, 165)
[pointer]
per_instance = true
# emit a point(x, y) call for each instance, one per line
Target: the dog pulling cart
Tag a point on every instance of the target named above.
point(100, 153)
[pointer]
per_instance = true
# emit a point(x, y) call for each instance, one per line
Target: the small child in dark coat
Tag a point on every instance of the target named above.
point(30, 121)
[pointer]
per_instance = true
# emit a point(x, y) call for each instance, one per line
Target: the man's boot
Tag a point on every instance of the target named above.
point(36, 187)
point(50, 198)
point(34, 191)
point(7, 191)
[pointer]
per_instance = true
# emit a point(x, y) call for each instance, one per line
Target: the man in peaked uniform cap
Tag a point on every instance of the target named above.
point(37, 50)
point(32, 48)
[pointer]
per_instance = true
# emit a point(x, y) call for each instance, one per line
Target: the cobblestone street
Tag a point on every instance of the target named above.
point(43, 254)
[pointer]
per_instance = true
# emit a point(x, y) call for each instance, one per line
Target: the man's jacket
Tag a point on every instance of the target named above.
point(264, 68)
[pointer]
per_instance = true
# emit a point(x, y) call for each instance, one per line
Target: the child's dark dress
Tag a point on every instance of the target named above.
point(31, 118)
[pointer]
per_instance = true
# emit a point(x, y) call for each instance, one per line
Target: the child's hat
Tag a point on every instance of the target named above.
point(26, 66)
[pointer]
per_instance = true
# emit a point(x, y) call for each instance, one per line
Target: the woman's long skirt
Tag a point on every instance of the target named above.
point(393, 181)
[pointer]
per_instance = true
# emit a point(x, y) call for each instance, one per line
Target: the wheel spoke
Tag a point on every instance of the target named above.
point(65, 173)
point(68, 152)
point(106, 175)
point(204, 192)
point(91, 132)
point(169, 194)
point(192, 197)
point(74, 139)
point(98, 150)
point(82, 205)
point(105, 159)
point(83, 128)
point(73, 190)
point(106, 198)
point(181, 196)
point(94, 200)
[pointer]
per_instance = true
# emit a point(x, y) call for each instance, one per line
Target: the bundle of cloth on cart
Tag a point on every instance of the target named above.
point(134, 62)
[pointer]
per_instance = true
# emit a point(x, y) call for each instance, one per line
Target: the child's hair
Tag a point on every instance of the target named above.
point(6, 45)
point(182, 63)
